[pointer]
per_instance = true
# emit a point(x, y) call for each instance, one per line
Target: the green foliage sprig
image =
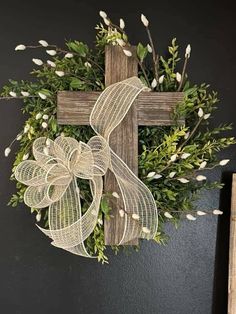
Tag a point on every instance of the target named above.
point(172, 159)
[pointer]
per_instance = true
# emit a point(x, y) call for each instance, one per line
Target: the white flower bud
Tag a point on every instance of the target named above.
point(183, 180)
point(26, 128)
point(12, 94)
point(203, 165)
point(25, 94)
point(38, 217)
point(87, 64)
point(115, 194)
point(106, 21)
point(190, 217)
point(151, 174)
point(103, 14)
point(149, 48)
point(69, 55)
point(51, 63)
point(154, 83)
point(38, 116)
point(217, 212)
point(224, 162)
point(135, 216)
point(144, 20)
point(127, 52)
point(100, 221)
point(60, 73)
point(157, 176)
point(173, 157)
point(185, 155)
point(51, 52)
point(122, 24)
point(168, 215)
point(45, 117)
point(200, 178)
point(37, 61)
point(200, 213)
point(121, 213)
point(200, 112)
point(120, 42)
point(19, 137)
point(178, 77)
point(172, 174)
point(7, 151)
point(206, 116)
point(43, 43)
point(42, 96)
point(44, 125)
point(146, 230)
point(186, 136)
point(188, 51)
point(161, 79)
point(25, 157)
point(20, 47)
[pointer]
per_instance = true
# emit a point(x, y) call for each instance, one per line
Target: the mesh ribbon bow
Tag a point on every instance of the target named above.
point(52, 177)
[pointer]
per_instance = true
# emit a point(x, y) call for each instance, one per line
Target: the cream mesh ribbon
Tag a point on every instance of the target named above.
point(52, 177)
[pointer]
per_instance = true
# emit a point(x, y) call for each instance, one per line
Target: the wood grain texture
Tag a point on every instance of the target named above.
point(153, 108)
point(123, 140)
point(232, 253)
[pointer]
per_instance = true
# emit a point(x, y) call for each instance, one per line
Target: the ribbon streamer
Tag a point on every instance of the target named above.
point(52, 177)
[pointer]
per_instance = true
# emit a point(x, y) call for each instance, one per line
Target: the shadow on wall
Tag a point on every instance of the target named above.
point(220, 290)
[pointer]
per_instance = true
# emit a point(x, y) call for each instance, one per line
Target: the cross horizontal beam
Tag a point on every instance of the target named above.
point(153, 108)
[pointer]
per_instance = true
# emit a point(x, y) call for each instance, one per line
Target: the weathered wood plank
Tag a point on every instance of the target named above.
point(152, 108)
point(156, 108)
point(232, 253)
point(123, 140)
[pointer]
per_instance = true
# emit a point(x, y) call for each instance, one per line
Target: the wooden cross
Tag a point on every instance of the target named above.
point(150, 108)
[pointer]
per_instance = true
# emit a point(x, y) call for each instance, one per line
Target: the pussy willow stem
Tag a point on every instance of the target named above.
point(184, 143)
point(117, 27)
point(183, 74)
point(66, 51)
point(192, 133)
point(17, 97)
point(155, 57)
point(191, 211)
point(143, 70)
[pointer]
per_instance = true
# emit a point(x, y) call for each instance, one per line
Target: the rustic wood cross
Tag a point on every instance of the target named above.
point(150, 108)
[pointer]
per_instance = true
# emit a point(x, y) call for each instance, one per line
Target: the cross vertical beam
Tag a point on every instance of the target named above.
point(123, 140)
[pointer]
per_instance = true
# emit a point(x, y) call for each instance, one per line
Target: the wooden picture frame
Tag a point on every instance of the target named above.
point(232, 252)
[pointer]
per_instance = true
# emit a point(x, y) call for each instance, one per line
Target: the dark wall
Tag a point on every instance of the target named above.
point(189, 275)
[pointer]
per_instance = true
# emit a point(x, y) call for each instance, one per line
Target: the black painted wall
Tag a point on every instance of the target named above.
point(187, 276)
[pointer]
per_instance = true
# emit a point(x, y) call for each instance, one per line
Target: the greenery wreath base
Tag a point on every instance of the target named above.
point(172, 160)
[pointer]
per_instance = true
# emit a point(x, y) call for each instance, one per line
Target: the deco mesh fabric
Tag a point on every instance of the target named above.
point(51, 177)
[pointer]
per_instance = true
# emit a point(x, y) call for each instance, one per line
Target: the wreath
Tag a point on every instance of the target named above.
point(172, 160)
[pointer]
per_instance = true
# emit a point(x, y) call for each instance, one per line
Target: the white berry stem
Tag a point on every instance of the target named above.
point(183, 74)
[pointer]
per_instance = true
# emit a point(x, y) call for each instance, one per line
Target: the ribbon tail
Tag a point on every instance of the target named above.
point(137, 199)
